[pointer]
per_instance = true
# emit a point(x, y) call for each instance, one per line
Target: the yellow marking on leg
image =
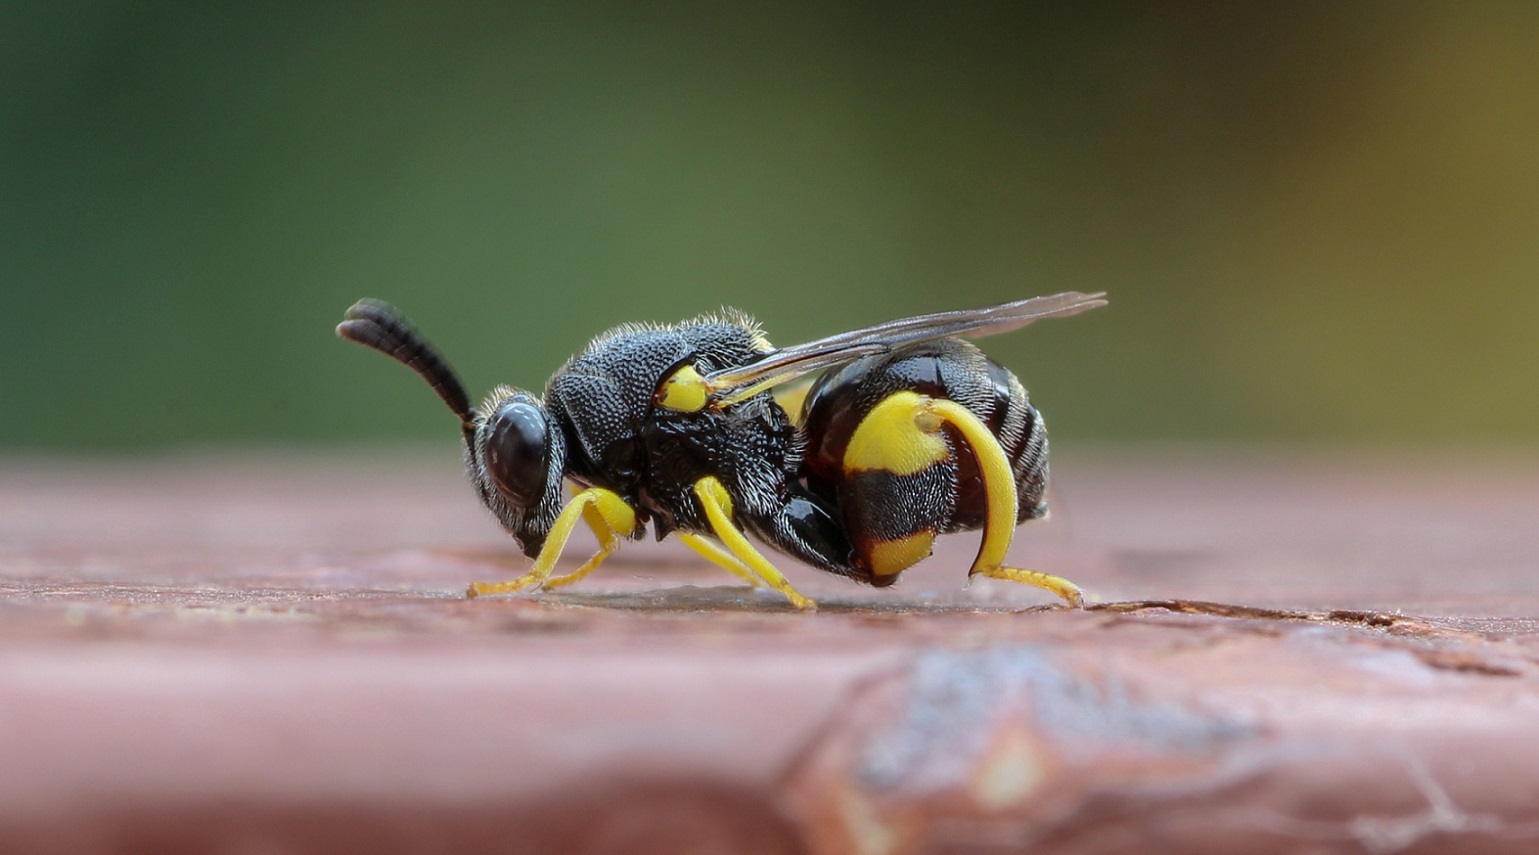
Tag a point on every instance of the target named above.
point(605, 512)
point(609, 517)
point(891, 557)
point(718, 509)
point(576, 575)
point(999, 487)
point(720, 557)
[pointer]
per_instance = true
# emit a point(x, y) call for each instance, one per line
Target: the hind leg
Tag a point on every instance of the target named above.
point(901, 438)
point(999, 483)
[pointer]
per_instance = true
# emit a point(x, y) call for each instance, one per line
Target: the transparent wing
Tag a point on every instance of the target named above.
point(780, 366)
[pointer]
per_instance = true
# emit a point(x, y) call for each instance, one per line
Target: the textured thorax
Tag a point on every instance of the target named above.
point(604, 398)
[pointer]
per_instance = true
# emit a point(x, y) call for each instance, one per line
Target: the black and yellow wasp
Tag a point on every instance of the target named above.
point(909, 433)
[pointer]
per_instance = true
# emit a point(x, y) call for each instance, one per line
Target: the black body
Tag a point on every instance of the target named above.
point(602, 423)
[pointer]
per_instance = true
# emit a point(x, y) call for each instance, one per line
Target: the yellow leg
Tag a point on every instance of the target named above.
point(999, 486)
point(604, 528)
point(718, 509)
point(1046, 581)
point(720, 557)
point(605, 512)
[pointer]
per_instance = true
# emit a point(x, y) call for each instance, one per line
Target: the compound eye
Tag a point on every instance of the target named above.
point(517, 452)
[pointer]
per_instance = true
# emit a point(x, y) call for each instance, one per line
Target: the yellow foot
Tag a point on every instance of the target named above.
point(1047, 582)
point(797, 599)
point(478, 589)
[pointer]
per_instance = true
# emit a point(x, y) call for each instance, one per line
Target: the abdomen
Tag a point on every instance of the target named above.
point(897, 489)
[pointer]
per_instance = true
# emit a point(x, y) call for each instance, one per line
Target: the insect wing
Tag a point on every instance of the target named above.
point(738, 383)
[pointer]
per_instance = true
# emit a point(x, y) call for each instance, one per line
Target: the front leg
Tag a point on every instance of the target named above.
point(606, 513)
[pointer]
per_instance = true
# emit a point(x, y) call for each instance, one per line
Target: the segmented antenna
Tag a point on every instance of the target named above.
point(378, 325)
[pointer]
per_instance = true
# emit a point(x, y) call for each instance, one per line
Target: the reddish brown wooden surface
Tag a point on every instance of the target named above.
point(273, 654)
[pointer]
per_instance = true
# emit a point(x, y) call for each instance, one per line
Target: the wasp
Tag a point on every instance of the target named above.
point(909, 432)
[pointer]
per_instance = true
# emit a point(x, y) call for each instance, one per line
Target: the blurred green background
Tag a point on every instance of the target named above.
point(1319, 223)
